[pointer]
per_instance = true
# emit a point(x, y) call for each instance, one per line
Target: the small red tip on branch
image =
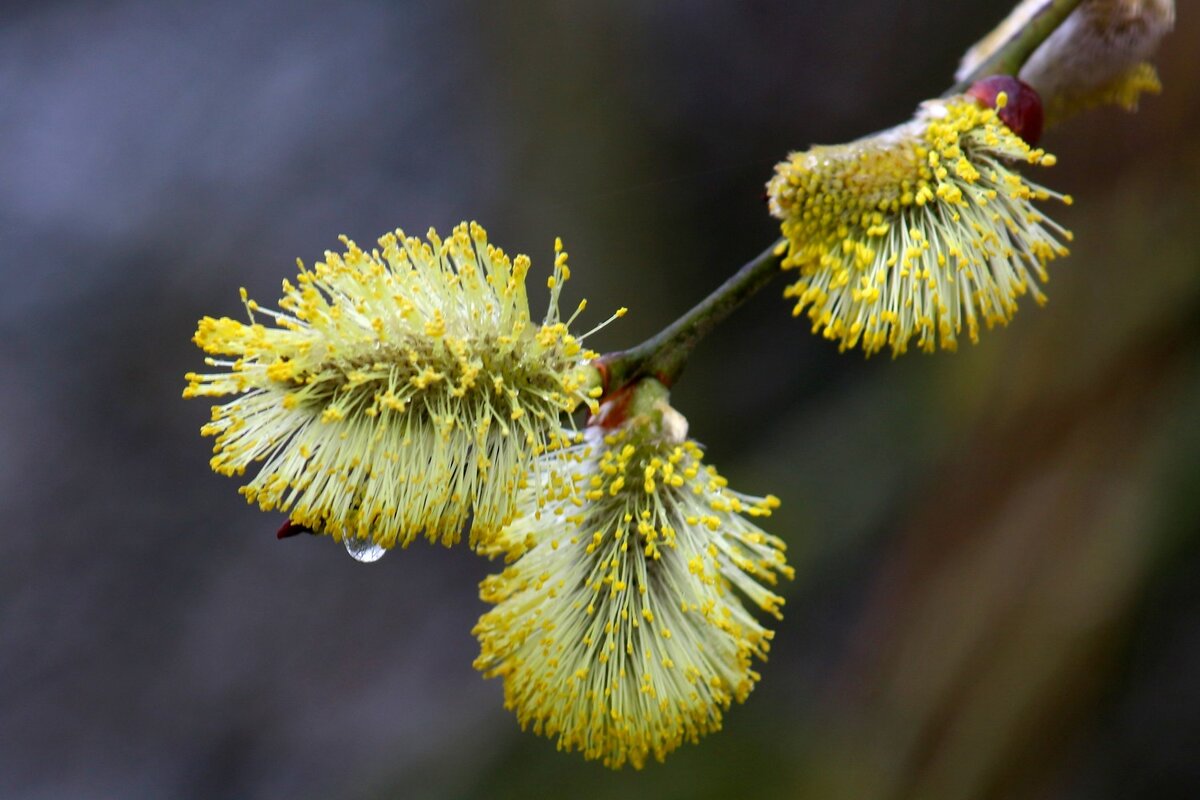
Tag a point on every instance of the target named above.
point(601, 365)
point(289, 529)
point(614, 410)
point(1022, 110)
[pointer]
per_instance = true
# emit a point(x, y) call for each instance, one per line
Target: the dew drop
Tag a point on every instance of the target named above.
point(364, 550)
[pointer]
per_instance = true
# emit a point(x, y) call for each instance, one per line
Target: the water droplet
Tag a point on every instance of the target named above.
point(364, 550)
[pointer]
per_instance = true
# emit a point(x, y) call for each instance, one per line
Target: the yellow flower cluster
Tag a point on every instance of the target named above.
point(917, 232)
point(617, 628)
point(395, 392)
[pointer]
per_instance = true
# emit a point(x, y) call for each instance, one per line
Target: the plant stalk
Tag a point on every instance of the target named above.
point(664, 355)
point(1012, 55)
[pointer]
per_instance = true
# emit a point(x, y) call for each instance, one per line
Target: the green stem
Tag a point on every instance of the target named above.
point(1012, 55)
point(664, 355)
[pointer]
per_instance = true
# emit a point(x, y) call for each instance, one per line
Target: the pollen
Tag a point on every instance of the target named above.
point(918, 234)
point(634, 638)
point(397, 392)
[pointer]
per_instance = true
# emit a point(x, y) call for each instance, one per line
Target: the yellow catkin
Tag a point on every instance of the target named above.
point(619, 628)
point(395, 392)
point(919, 233)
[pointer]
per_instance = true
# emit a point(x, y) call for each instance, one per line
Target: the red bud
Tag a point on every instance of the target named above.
point(1022, 112)
point(614, 410)
point(290, 528)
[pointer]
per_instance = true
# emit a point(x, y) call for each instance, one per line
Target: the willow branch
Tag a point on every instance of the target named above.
point(664, 355)
point(1012, 55)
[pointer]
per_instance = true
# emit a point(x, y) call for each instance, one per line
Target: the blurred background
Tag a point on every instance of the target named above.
point(997, 550)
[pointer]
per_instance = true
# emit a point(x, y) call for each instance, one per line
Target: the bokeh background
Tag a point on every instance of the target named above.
point(998, 551)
